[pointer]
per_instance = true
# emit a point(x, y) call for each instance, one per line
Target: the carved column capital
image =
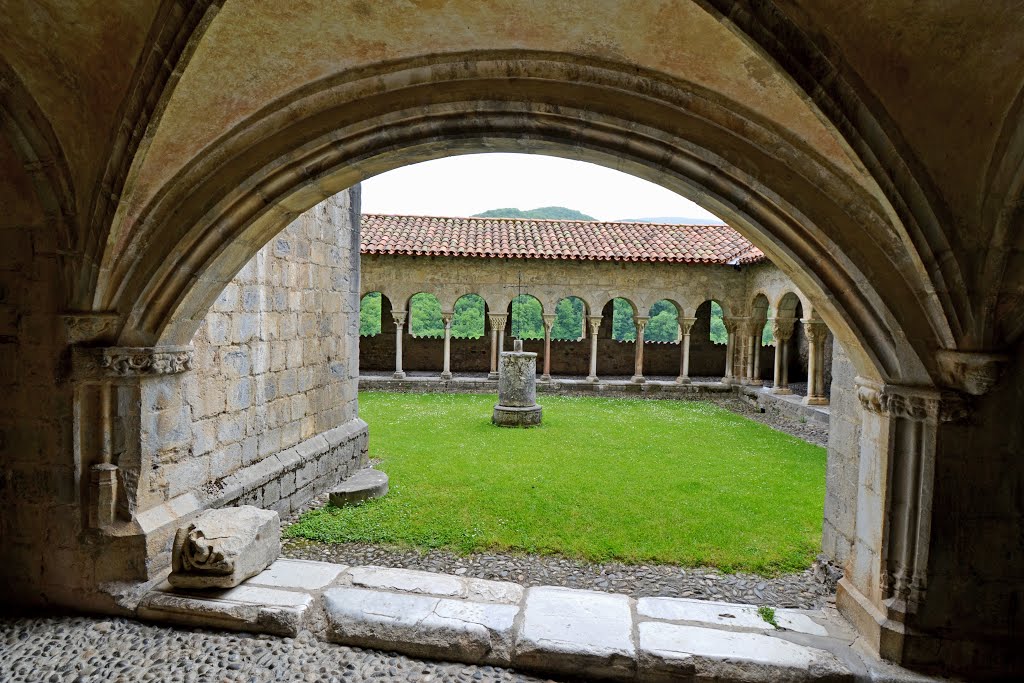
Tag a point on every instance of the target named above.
point(686, 324)
point(641, 322)
point(446, 317)
point(399, 317)
point(498, 320)
point(734, 325)
point(815, 330)
point(91, 328)
point(920, 404)
point(595, 323)
point(549, 320)
point(972, 372)
point(782, 328)
point(130, 361)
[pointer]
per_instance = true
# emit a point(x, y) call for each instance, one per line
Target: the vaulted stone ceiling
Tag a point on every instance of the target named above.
point(917, 103)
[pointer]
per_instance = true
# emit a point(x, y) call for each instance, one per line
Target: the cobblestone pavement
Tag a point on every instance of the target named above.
point(91, 650)
point(801, 590)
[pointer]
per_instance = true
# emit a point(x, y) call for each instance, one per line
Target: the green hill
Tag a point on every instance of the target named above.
point(551, 212)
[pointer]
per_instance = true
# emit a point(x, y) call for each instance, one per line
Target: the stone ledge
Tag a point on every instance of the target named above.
point(245, 608)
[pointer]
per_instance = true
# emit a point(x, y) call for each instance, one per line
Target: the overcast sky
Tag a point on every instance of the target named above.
point(473, 183)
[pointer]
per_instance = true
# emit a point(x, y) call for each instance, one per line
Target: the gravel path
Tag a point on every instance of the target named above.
point(89, 649)
point(801, 590)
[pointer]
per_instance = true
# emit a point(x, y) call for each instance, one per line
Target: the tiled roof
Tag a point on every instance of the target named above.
point(554, 239)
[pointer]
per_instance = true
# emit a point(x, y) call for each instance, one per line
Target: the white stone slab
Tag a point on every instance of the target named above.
point(577, 632)
point(421, 626)
point(674, 650)
point(724, 614)
point(483, 590)
point(304, 574)
point(408, 581)
point(243, 608)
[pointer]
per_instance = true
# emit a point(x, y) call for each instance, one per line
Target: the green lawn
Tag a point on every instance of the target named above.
point(602, 479)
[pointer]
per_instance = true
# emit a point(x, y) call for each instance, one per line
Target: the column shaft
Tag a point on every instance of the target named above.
point(638, 364)
point(446, 372)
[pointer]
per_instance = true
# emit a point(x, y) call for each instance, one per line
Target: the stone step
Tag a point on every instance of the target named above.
point(360, 487)
point(549, 630)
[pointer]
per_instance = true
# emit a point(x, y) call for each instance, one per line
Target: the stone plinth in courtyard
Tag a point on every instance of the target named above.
point(517, 389)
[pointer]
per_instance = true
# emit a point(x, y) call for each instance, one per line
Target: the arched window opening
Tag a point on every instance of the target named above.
point(623, 326)
point(468, 320)
point(717, 332)
point(570, 320)
point(425, 316)
point(369, 315)
point(527, 317)
point(663, 325)
point(759, 313)
point(767, 338)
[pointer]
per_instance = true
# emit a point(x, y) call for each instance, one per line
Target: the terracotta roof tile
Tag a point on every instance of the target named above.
point(554, 239)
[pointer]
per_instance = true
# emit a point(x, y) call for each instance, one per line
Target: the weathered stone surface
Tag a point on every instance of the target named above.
point(431, 583)
point(247, 608)
point(506, 416)
point(364, 485)
point(458, 630)
point(221, 548)
point(577, 632)
point(669, 651)
point(302, 574)
point(724, 614)
point(517, 390)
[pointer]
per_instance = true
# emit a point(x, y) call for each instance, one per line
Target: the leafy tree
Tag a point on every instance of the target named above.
point(425, 316)
point(547, 212)
point(568, 319)
point(664, 323)
point(719, 335)
point(767, 338)
point(369, 315)
point(623, 327)
point(527, 319)
point(468, 321)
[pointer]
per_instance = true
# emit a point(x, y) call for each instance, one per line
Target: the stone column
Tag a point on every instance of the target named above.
point(638, 352)
point(782, 330)
point(595, 324)
point(685, 325)
point(748, 350)
point(446, 318)
point(497, 321)
point(886, 579)
point(399, 318)
point(815, 331)
point(730, 328)
point(755, 377)
point(549, 322)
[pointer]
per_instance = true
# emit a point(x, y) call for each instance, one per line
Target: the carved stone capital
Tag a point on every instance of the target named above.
point(910, 403)
point(686, 324)
point(734, 325)
point(446, 317)
point(399, 317)
point(641, 322)
point(814, 330)
point(92, 328)
point(970, 371)
point(594, 322)
point(549, 320)
point(782, 328)
point(130, 361)
point(498, 320)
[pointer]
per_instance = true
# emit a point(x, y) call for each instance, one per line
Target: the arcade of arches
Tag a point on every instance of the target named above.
point(874, 151)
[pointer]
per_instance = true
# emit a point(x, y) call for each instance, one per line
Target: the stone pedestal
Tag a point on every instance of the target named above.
point(517, 390)
point(222, 548)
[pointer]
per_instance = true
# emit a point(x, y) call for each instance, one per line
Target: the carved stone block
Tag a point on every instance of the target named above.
point(221, 548)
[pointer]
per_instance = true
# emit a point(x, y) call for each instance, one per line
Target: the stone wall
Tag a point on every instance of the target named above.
point(841, 474)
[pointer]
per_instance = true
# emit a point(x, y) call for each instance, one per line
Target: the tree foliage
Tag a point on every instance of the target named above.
point(527, 318)
point(664, 323)
point(468, 321)
point(568, 319)
point(425, 316)
point(623, 327)
point(718, 332)
point(545, 212)
point(369, 315)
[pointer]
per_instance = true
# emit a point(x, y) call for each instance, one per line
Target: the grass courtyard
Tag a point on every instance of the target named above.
point(602, 479)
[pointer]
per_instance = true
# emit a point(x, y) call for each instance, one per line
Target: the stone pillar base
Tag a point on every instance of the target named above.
point(782, 391)
point(882, 634)
point(592, 379)
point(492, 375)
point(815, 401)
point(682, 380)
point(446, 375)
point(516, 416)
point(399, 375)
point(545, 378)
point(637, 379)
